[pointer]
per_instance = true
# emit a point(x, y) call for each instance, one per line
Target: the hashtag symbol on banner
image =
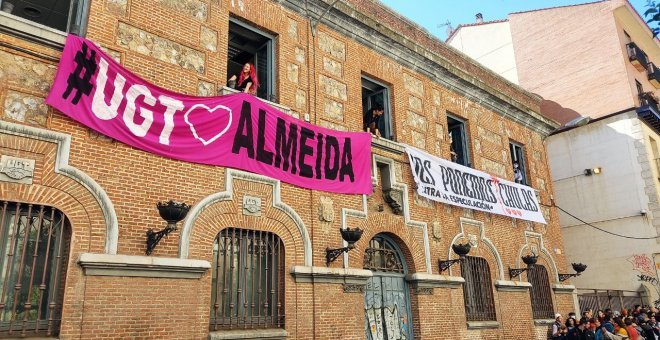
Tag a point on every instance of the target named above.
point(82, 83)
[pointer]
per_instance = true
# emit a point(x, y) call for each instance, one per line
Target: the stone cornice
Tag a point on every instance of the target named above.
point(345, 19)
point(563, 289)
point(330, 275)
point(142, 266)
point(425, 280)
point(512, 286)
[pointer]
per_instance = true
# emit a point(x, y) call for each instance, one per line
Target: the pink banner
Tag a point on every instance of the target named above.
point(238, 130)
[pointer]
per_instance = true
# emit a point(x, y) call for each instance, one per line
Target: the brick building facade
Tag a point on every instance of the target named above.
point(325, 72)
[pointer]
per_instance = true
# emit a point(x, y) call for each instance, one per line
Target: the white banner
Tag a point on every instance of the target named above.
point(447, 182)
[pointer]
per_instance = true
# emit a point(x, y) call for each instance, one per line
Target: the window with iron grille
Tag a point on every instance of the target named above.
point(247, 286)
point(478, 291)
point(34, 248)
point(540, 292)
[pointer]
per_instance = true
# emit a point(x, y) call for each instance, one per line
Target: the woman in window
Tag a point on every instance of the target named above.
point(247, 80)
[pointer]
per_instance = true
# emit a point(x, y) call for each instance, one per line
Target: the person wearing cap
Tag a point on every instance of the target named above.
point(556, 327)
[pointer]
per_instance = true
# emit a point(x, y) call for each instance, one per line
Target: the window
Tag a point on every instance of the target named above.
point(250, 45)
point(458, 141)
point(62, 15)
point(477, 291)
point(518, 163)
point(377, 95)
point(540, 292)
point(248, 282)
point(640, 89)
point(34, 247)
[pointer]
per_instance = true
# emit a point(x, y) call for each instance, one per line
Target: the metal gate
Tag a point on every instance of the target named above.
point(614, 299)
point(387, 302)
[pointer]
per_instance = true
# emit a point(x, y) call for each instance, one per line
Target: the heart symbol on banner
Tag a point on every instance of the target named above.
point(206, 135)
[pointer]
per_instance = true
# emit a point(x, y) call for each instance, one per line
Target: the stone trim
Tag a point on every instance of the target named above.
point(563, 289)
point(142, 266)
point(62, 167)
point(346, 20)
point(227, 195)
point(482, 237)
point(512, 286)
point(31, 31)
point(543, 322)
point(544, 252)
point(257, 334)
point(387, 145)
point(425, 280)
point(305, 274)
point(482, 324)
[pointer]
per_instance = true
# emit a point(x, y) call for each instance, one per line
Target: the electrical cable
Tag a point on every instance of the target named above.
point(603, 230)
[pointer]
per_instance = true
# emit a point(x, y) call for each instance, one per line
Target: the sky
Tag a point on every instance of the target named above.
point(431, 14)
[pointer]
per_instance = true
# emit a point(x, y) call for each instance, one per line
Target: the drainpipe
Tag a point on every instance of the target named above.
point(315, 23)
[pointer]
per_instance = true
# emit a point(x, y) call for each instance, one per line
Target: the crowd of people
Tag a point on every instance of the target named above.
point(638, 323)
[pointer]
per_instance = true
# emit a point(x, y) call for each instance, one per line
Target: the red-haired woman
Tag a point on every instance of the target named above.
point(247, 80)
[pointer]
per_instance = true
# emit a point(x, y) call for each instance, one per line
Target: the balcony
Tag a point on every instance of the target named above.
point(648, 110)
point(637, 57)
point(654, 75)
point(228, 90)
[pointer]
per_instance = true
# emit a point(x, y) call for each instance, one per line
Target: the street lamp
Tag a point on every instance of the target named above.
point(530, 260)
point(350, 236)
point(578, 267)
point(172, 212)
point(461, 250)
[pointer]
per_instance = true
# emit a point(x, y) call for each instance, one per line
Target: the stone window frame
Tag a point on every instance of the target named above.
point(32, 31)
point(521, 159)
point(272, 55)
point(388, 115)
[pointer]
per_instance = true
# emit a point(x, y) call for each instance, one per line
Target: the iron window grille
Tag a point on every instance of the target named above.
point(541, 296)
point(382, 256)
point(248, 284)
point(478, 291)
point(34, 248)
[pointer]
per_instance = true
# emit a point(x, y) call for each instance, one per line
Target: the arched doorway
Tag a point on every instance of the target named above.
point(386, 301)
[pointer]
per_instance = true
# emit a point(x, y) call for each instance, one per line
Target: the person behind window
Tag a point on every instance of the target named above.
point(452, 153)
point(247, 80)
point(517, 174)
point(372, 119)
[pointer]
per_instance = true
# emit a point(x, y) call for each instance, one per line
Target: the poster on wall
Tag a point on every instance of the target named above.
point(238, 130)
point(450, 183)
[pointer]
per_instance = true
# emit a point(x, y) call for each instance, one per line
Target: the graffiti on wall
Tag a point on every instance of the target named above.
point(645, 265)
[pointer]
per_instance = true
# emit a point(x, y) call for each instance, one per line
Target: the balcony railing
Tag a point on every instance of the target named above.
point(648, 99)
point(654, 75)
point(637, 57)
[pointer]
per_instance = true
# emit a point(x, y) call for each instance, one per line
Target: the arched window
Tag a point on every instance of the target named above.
point(478, 290)
point(386, 300)
point(541, 297)
point(34, 249)
point(248, 282)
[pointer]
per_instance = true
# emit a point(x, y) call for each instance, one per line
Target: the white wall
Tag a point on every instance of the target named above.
point(491, 45)
point(611, 200)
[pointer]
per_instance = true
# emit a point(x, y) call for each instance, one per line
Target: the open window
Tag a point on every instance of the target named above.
point(518, 163)
point(458, 141)
point(62, 15)
point(248, 44)
point(375, 94)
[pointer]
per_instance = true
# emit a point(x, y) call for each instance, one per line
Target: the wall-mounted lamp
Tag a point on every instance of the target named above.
point(593, 171)
point(461, 250)
point(529, 260)
point(578, 267)
point(350, 236)
point(172, 212)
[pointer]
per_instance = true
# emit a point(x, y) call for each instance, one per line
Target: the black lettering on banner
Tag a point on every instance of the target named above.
point(244, 136)
point(423, 170)
point(263, 155)
point(445, 176)
point(346, 168)
point(319, 154)
point(305, 150)
point(528, 195)
point(286, 147)
point(82, 84)
point(331, 156)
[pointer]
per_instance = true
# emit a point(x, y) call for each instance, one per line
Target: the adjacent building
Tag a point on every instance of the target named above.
point(595, 65)
point(75, 205)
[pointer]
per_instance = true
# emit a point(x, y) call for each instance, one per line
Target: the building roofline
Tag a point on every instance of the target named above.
point(453, 32)
point(557, 7)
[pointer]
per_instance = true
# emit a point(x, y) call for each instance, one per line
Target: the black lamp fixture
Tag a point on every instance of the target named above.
point(172, 212)
point(350, 236)
point(461, 250)
point(529, 260)
point(578, 267)
point(593, 171)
